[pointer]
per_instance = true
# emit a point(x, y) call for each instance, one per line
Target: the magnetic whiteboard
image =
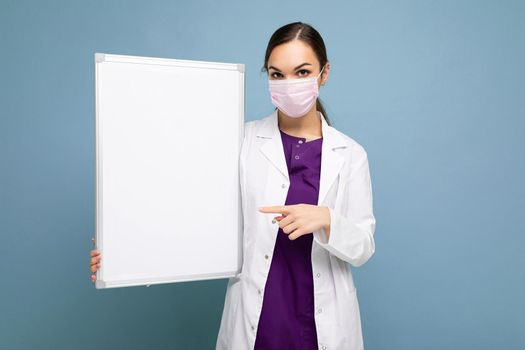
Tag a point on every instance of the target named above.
point(168, 138)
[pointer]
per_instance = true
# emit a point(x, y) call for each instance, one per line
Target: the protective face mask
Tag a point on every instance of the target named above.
point(294, 97)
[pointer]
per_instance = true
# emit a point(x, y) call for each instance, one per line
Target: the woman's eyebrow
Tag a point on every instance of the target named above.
point(299, 66)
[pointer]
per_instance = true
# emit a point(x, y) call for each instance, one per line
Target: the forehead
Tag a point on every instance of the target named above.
point(289, 55)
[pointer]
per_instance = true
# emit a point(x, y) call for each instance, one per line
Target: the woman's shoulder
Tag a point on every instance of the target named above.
point(355, 150)
point(252, 126)
point(251, 123)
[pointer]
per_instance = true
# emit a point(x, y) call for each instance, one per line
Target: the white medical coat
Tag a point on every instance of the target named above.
point(345, 188)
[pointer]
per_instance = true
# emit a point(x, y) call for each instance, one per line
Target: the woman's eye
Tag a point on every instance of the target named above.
point(276, 75)
point(304, 70)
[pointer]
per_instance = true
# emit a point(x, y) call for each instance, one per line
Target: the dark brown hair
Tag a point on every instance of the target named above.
point(306, 33)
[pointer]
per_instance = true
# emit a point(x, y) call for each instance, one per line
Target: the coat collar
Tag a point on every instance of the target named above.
point(331, 161)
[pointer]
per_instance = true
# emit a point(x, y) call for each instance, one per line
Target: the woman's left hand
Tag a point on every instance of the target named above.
point(300, 219)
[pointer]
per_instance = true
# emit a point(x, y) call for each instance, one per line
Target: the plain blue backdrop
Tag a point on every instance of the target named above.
point(434, 91)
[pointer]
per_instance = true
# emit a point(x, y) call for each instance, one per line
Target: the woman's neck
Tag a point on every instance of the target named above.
point(308, 126)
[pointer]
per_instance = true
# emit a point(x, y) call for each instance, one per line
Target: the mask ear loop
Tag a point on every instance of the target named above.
point(320, 73)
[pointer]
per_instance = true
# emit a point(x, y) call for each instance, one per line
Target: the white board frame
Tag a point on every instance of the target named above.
point(104, 58)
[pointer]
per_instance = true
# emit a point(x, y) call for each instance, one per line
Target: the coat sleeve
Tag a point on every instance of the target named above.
point(242, 164)
point(242, 177)
point(242, 172)
point(352, 222)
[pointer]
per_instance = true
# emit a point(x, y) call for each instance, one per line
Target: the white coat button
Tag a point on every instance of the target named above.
point(253, 328)
point(319, 310)
point(324, 347)
point(259, 291)
point(296, 157)
point(318, 274)
point(283, 185)
point(266, 256)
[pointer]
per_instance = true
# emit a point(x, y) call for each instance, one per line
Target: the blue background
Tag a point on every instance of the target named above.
point(434, 91)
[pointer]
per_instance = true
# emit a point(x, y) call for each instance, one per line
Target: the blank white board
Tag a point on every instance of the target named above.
point(168, 139)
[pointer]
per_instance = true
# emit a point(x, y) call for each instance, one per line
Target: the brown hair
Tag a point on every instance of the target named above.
point(306, 33)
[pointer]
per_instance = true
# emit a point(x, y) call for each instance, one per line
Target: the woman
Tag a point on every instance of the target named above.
point(294, 290)
point(307, 214)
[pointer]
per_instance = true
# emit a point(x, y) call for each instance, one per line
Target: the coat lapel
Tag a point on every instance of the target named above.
point(331, 161)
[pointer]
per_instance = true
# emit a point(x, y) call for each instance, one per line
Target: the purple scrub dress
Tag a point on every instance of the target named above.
point(287, 318)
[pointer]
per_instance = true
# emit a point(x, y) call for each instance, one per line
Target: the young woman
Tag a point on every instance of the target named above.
point(307, 214)
point(307, 211)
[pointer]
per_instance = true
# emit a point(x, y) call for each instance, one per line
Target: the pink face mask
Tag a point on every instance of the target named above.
point(294, 97)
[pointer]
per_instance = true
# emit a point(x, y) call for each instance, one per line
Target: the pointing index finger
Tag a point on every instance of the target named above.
point(274, 209)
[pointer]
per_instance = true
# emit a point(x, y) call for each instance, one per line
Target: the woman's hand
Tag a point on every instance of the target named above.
point(300, 219)
point(94, 261)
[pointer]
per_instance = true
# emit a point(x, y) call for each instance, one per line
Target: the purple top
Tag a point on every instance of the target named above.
point(287, 317)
